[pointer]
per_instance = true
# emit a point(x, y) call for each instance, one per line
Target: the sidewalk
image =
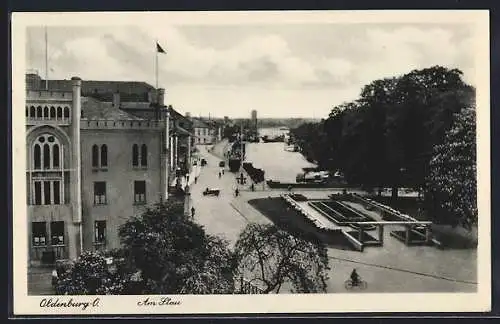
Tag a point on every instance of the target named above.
point(245, 210)
point(195, 172)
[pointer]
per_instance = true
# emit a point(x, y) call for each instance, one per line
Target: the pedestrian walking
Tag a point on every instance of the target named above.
point(219, 175)
point(195, 180)
point(236, 192)
point(192, 212)
point(222, 171)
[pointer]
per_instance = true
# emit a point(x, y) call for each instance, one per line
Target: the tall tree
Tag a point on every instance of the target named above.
point(420, 96)
point(452, 186)
point(268, 257)
point(175, 255)
point(90, 275)
point(386, 136)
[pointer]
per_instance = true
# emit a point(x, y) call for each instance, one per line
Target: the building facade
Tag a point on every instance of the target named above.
point(202, 132)
point(91, 165)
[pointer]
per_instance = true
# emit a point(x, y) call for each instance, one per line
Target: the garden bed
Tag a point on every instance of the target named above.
point(342, 215)
point(257, 175)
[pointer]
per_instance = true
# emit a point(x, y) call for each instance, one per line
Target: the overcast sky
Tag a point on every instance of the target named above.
point(279, 70)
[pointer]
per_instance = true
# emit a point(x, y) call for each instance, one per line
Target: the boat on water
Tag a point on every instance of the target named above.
point(267, 139)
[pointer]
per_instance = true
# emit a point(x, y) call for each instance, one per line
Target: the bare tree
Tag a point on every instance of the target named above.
point(269, 257)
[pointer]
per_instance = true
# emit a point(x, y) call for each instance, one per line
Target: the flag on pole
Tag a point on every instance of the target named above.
point(159, 49)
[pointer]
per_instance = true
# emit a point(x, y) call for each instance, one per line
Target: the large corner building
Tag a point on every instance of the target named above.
point(98, 152)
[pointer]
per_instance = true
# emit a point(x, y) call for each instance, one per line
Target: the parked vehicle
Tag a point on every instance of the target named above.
point(222, 164)
point(211, 192)
point(203, 162)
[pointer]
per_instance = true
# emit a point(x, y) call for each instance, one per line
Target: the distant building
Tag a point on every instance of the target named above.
point(93, 160)
point(202, 131)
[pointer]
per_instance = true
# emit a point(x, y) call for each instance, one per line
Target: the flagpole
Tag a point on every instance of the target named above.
point(46, 61)
point(156, 63)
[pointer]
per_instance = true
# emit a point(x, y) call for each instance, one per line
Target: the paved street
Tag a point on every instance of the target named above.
point(392, 268)
point(40, 281)
point(220, 215)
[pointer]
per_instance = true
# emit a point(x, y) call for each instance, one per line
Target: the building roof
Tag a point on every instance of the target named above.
point(136, 105)
point(197, 123)
point(178, 116)
point(102, 90)
point(94, 109)
point(181, 131)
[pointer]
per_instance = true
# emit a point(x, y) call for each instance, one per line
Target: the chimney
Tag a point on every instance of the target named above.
point(116, 99)
point(151, 96)
point(161, 97)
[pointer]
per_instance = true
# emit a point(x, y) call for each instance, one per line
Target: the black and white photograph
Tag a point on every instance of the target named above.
point(234, 162)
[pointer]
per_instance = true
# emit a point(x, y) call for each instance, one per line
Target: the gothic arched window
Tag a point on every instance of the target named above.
point(32, 112)
point(37, 156)
point(55, 156)
point(52, 113)
point(59, 113)
point(46, 156)
point(39, 112)
point(47, 188)
point(46, 112)
point(66, 112)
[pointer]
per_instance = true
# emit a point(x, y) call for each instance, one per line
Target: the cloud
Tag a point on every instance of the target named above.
point(256, 68)
point(129, 53)
point(392, 52)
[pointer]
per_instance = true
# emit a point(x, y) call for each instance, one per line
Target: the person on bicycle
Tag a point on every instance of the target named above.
point(355, 278)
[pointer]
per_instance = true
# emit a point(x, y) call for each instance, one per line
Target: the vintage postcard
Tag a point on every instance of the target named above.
point(251, 162)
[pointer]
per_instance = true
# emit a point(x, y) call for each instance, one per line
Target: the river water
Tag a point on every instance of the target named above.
point(272, 131)
point(278, 164)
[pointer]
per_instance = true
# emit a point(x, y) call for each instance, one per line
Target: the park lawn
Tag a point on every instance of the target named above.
point(277, 211)
point(406, 205)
